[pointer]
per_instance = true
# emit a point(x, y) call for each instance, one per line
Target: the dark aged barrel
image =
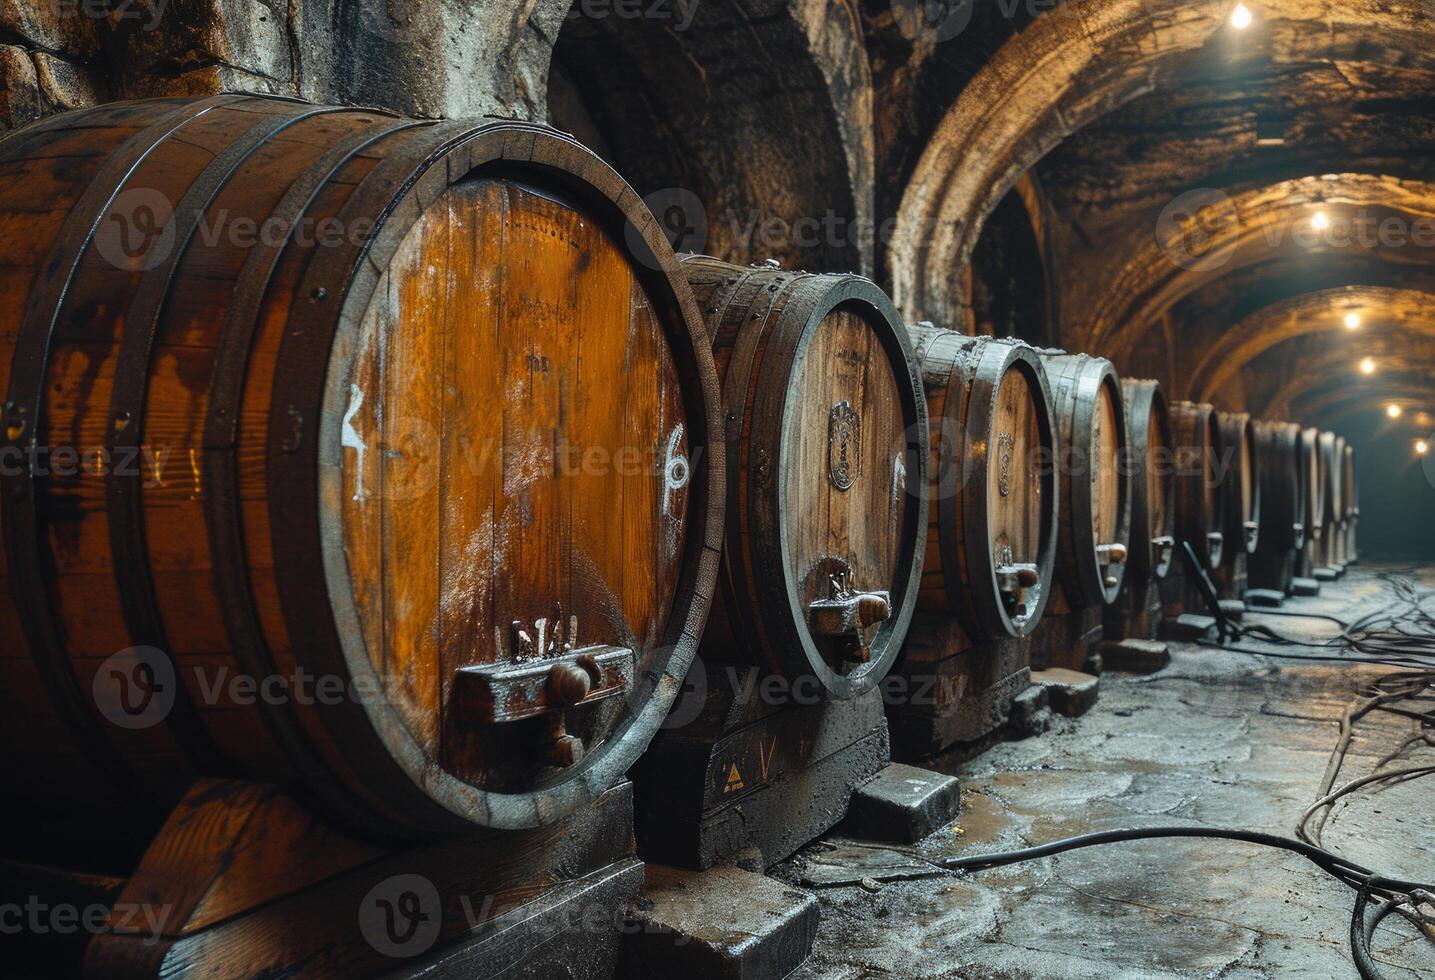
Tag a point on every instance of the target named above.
point(1352, 505)
point(1153, 479)
point(993, 519)
point(827, 467)
point(1241, 484)
point(1315, 489)
point(423, 412)
point(1200, 504)
point(1095, 476)
point(1341, 521)
point(1285, 469)
point(1330, 468)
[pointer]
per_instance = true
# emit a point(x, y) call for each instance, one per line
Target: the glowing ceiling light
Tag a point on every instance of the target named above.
point(1393, 411)
point(1367, 366)
point(1321, 221)
point(1352, 321)
point(1241, 17)
point(1422, 447)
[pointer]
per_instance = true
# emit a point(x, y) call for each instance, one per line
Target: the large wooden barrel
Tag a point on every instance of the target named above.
point(1316, 501)
point(411, 425)
point(827, 467)
point(1200, 504)
point(1153, 479)
point(1092, 459)
point(1331, 462)
point(1350, 493)
point(1285, 471)
point(993, 520)
point(1352, 506)
point(1241, 483)
point(1341, 521)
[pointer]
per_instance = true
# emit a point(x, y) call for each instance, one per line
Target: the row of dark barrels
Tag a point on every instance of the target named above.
point(404, 463)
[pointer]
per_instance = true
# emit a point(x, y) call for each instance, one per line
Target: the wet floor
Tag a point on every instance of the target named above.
point(1219, 739)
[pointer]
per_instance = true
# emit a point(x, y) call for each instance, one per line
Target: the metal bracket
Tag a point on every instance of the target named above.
point(846, 614)
point(1013, 581)
point(1163, 547)
point(1108, 555)
point(540, 674)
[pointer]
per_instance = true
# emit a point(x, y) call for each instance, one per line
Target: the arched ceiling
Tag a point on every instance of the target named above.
point(1081, 61)
point(1384, 314)
point(1207, 235)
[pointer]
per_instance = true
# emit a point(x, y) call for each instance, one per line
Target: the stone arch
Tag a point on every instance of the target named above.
point(1070, 67)
point(759, 124)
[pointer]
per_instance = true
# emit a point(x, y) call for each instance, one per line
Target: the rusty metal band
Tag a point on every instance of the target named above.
point(224, 519)
point(292, 460)
point(134, 578)
point(738, 394)
point(26, 549)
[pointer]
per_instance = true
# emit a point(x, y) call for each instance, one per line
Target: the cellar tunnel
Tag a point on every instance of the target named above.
point(809, 489)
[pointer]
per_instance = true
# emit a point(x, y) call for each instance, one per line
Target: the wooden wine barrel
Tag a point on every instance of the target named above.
point(1285, 472)
point(1153, 480)
point(994, 513)
point(1316, 502)
point(1341, 521)
point(420, 411)
point(1350, 494)
point(1241, 483)
point(1330, 447)
point(1095, 477)
point(1352, 506)
point(1200, 504)
point(827, 465)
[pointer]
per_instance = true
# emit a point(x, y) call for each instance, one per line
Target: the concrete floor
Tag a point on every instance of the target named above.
point(1218, 739)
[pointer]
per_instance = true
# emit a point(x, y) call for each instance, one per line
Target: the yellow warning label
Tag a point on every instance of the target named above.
point(734, 780)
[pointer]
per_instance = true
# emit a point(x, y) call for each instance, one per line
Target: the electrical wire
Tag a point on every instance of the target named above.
point(1393, 894)
point(1397, 635)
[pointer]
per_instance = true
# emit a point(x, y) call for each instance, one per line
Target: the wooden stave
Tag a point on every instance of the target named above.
point(1145, 404)
point(1243, 516)
point(84, 736)
point(1076, 380)
point(1351, 494)
point(979, 608)
point(758, 609)
point(1283, 487)
point(531, 147)
point(1316, 503)
point(1199, 504)
point(1330, 446)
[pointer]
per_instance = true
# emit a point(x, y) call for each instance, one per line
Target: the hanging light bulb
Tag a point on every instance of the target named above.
point(1321, 221)
point(1241, 17)
point(1367, 366)
point(1352, 321)
point(1394, 411)
point(1421, 447)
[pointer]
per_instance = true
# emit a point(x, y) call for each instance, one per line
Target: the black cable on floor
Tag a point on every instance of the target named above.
point(1392, 893)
